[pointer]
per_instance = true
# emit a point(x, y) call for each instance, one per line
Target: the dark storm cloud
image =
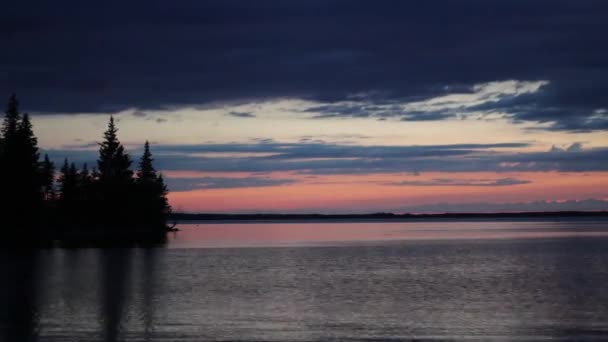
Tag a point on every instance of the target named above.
point(75, 56)
point(558, 106)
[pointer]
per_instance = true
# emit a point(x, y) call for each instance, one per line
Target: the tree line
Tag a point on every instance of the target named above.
point(108, 202)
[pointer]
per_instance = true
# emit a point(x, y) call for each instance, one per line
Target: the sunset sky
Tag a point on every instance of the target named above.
point(327, 106)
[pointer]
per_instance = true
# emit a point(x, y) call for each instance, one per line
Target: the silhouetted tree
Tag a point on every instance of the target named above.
point(152, 201)
point(146, 172)
point(11, 119)
point(29, 142)
point(108, 197)
point(69, 213)
point(84, 183)
point(20, 170)
point(113, 163)
point(115, 187)
point(68, 183)
point(162, 200)
point(29, 164)
point(47, 179)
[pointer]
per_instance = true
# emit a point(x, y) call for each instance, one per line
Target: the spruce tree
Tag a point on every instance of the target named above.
point(20, 169)
point(146, 171)
point(68, 182)
point(114, 188)
point(47, 178)
point(161, 196)
point(84, 181)
point(9, 139)
point(11, 119)
point(68, 198)
point(113, 162)
point(28, 161)
point(152, 201)
point(28, 141)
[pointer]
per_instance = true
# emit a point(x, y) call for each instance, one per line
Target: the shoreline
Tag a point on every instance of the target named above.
point(380, 217)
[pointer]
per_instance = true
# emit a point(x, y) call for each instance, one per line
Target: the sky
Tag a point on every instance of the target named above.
point(327, 106)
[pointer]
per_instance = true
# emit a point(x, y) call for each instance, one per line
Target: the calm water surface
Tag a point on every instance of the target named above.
point(533, 280)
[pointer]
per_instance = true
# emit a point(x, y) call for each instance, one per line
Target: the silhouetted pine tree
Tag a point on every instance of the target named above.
point(8, 140)
point(152, 204)
point(68, 182)
point(161, 196)
point(29, 141)
point(68, 198)
point(113, 162)
point(11, 119)
point(109, 196)
point(29, 164)
point(84, 181)
point(20, 170)
point(47, 179)
point(146, 172)
point(115, 187)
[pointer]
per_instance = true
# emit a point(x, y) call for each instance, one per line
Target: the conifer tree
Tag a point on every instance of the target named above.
point(114, 187)
point(113, 162)
point(20, 168)
point(84, 183)
point(47, 178)
point(11, 119)
point(8, 139)
point(28, 164)
point(153, 206)
point(28, 141)
point(162, 192)
point(108, 197)
point(68, 182)
point(146, 172)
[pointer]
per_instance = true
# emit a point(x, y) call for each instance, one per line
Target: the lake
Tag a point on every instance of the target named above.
point(328, 281)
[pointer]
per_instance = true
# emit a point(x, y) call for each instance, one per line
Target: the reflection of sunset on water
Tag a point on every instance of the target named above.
point(210, 235)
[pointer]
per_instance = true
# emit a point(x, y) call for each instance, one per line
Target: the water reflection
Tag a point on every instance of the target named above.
point(19, 298)
point(116, 271)
point(78, 294)
point(222, 235)
point(149, 289)
point(478, 289)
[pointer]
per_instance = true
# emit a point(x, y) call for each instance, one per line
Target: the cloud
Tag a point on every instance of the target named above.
point(139, 114)
point(455, 103)
point(237, 51)
point(241, 115)
point(82, 145)
point(575, 147)
point(333, 158)
point(462, 182)
point(186, 184)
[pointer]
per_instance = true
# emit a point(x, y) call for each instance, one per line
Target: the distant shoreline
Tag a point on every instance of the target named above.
point(379, 216)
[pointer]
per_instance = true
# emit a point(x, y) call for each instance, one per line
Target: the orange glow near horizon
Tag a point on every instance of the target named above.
point(376, 192)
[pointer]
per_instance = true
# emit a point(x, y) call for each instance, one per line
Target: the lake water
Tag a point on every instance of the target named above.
point(372, 281)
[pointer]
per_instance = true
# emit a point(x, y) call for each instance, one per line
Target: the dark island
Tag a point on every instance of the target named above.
point(110, 204)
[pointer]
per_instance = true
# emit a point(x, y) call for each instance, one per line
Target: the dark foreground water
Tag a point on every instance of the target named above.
point(319, 282)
